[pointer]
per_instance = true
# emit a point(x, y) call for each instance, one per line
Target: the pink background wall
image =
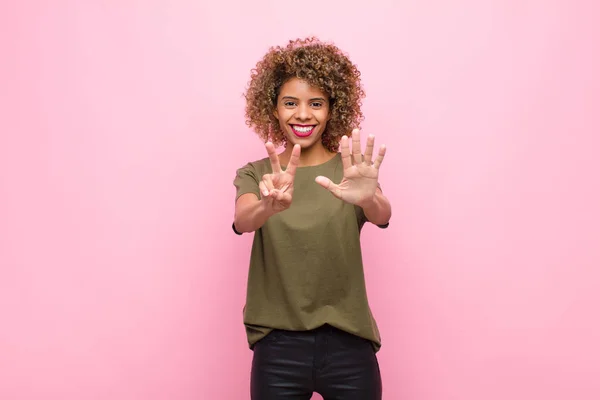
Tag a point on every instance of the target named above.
point(121, 127)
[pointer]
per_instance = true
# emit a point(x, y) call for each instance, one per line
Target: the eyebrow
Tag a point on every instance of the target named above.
point(295, 98)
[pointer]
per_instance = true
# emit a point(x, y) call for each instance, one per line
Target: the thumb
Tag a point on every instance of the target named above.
point(329, 185)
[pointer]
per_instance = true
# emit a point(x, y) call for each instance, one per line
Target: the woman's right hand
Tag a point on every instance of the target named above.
point(277, 188)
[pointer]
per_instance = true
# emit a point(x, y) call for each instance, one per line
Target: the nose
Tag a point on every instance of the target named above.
point(303, 112)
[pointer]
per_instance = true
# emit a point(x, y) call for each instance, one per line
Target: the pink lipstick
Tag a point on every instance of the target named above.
point(303, 130)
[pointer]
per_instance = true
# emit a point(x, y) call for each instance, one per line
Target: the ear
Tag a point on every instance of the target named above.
point(275, 113)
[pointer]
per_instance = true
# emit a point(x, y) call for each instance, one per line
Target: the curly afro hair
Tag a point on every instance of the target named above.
point(321, 65)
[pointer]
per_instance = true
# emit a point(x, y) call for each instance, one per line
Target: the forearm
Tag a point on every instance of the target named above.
point(250, 215)
point(378, 210)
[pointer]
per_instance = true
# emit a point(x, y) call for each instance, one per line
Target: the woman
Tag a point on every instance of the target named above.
point(307, 315)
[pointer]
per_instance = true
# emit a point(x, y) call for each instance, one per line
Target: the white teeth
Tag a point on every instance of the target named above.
point(303, 128)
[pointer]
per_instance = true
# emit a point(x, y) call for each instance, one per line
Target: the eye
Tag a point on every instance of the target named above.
point(317, 104)
point(289, 103)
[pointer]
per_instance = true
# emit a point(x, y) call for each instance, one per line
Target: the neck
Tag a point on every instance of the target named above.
point(314, 155)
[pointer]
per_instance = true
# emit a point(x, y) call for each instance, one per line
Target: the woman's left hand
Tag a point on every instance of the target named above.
point(359, 183)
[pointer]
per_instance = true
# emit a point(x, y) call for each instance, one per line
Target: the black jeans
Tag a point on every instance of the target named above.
point(335, 364)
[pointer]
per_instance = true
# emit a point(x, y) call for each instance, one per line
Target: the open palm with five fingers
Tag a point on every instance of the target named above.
point(277, 188)
point(361, 173)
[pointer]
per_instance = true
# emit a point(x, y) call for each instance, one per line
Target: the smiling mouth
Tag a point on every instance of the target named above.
point(303, 130)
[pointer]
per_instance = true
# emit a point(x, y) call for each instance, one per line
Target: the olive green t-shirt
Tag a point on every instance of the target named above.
point(306, 266)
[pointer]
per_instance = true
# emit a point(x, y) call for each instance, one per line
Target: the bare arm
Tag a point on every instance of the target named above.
point(379, 210)
point(250, 213)
point(276, 194)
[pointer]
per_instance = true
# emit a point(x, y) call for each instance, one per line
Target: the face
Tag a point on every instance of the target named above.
point(303, 112)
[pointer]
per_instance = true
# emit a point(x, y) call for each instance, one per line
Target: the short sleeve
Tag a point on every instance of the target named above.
point(246, 181)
